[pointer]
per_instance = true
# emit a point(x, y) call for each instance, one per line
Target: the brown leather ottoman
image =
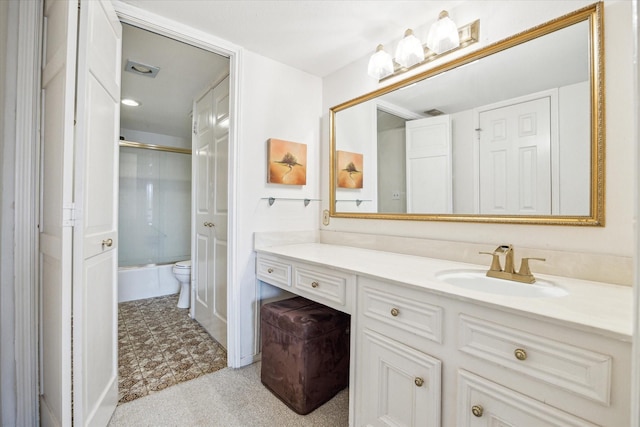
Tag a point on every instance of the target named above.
point(305, 352)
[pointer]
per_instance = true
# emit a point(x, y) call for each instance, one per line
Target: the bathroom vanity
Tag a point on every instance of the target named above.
point(427, 351)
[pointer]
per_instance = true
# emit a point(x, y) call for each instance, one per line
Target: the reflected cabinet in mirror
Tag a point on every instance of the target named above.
point(511, 133)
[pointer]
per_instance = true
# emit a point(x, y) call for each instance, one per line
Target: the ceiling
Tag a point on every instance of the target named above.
point(318, 37)
point(167, 99)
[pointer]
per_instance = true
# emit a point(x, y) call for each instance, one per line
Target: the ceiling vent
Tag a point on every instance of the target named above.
point(434, 112)
point(141, 69)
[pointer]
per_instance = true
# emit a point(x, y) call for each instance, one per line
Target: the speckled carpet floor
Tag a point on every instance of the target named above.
point(159, 345)
point(226, 398)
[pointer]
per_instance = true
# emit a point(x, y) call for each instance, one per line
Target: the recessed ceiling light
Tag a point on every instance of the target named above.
point(130, 102)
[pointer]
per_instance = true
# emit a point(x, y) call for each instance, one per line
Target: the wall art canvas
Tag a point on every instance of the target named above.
point(349, 170)
point(287, 162)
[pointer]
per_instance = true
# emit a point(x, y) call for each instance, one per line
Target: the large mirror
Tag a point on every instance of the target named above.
point(513, 132)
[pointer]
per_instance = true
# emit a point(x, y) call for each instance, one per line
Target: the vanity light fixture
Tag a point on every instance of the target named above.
point(380, 64)
point(443, 34)
point(409, 51)
point(443, 37)
point(130, 102)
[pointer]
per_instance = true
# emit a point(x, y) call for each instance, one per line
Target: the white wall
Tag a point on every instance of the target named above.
point(575, 150)
point(500, 19)
point(281, 102)
point(392, 178)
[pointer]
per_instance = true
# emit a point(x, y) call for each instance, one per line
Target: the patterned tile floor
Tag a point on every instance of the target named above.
point(159, 345)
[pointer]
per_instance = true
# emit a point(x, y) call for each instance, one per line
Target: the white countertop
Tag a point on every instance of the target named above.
point(593, 306)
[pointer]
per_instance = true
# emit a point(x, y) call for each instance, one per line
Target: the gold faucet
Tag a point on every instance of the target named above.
point(508, 273)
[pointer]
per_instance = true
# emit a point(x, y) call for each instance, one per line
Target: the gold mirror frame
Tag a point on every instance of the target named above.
point(594, 15)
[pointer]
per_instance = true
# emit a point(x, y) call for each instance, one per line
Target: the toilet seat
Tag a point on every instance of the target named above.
point(182, 264)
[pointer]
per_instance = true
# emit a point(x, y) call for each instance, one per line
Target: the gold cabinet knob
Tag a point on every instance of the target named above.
point(520, 354)
point(315, 284)
point(108, 243)
point(419, 381)
point(270, 270)
point(477, 410)
point(395, 312)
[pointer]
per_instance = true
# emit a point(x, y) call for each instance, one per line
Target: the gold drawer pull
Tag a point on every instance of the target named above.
point(395, 312)
point(520, 354)
point(477, 410)
point(315, 284)
point(419, 381)
point(270, 270)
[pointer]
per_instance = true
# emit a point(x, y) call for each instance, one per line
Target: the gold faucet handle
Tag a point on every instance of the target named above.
point(524, 265)
point(495, 261)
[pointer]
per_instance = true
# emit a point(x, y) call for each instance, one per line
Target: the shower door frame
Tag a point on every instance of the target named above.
point(183, 33)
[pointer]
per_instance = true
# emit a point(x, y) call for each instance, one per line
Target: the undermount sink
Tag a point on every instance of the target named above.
point(477, 280)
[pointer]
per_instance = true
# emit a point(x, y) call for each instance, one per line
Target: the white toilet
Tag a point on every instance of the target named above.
point(182, 271)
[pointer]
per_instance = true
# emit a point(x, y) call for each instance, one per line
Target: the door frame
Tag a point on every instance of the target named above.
point(26, 214)
point(166, 27)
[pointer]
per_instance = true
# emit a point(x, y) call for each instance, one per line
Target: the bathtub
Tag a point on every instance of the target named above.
point(146, 282)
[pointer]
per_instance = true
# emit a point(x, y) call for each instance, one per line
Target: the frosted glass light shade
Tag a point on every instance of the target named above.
point(409, 51)
point(443, 35)
point(380, 64)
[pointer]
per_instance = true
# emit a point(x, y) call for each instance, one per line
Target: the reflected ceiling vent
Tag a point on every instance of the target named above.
point(434, 112)
point(141, 69)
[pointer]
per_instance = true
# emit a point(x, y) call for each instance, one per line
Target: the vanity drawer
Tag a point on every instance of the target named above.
point(324, 286)
point(574, 369)
point(396, 310)
point(484, 403)
point(273, 272)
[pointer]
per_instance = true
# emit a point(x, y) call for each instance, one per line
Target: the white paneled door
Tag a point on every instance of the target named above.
point(429, 182)
point(210, 181)
point(515, 159)
point(78, 244)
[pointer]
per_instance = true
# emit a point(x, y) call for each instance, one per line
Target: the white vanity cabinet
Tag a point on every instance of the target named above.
point(331, 287)
point(488, 367)
point(425, 354)
point(517, 371)
point(398, 383)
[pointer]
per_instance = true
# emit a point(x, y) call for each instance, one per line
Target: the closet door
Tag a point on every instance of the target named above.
point(56, 199)
point(515, 159)
point(95, 299)
point(78, 351)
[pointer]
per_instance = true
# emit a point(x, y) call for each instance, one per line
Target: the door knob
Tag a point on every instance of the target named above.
point(108, 243)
